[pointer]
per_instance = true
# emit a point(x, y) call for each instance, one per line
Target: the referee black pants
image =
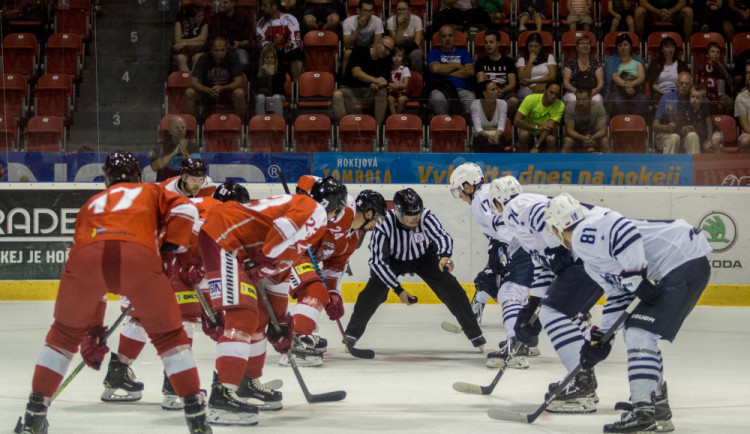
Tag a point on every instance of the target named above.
point(444, 285)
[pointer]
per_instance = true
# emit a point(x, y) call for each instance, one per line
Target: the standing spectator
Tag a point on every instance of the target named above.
point(499, 69)
point(410, 239)
point(715, 78)
point(712, 16)
point(217, 77)
point(537, 120)
point(742, 110)
point(406, 30)
point(622, 10)
point(366, 77)
point(624, 76)
point(535, 69)
point(585, 125)
point(269, 88)
point(583, 70)
point(532, 9)
point(190, 36)
point(579, 11)
point(361, 30)
point(663, 71)
point(398, 87)
point(281, 30)
point(328, 12)
point(167, 156)
point(672, 122)
point(674, 11)
point(450, 70)
point(488, 115)
point(235, 27)
point(711, 137)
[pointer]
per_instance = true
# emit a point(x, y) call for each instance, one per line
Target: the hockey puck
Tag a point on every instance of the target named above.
point(413, 299)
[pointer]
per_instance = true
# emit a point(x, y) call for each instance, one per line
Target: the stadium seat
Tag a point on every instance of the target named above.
point(654, 39)
point(315, 91)
point(64, 55)
point(54, 96)
point(460, 40)
point(610, 48)
point(479, 51)
point(312, 133)
point(15, 92)
point(628, 134)
point(358, 133)
point(698, 52)
point(740, 43)
point(249, 8)
point(206, 5)
point(174, 91)
point(45, 134)
point(191, 127)
point(569, 41)
point(267, 133)
point(416, 85)
point(548, 43)
point(222, 132)
point(447, 134)
point(321, 48)
point(9, 135)
point(728, 127)
point(73, 16)
point(403, 133)
point(20, 54)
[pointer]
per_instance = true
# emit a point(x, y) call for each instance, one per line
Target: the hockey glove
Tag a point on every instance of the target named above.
point(335, 308)
point(559, 258)
point(648, 292)
point(93, 353)
point(213, 331)
point(171, 264)
point(594, 351)
point(527, 333)
point(282, 342)
point(260, 267)
point(486, 281)
point(193, 274)
point(498, 259)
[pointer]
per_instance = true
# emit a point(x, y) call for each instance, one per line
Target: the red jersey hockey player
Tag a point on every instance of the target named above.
point(243, 246)
point(193, 181)
point(116, 250)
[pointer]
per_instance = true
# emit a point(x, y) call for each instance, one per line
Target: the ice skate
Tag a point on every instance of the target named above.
point(315, 341)
point(663, 413)
point(578, 397)
point(226, 408)
point(304, 354)
point(195, 415)
point(516, 361)
point(640, 417)
point(258, 394)
point(120, 384)
point(478, 343)
point(35, 418)
point(170, 400)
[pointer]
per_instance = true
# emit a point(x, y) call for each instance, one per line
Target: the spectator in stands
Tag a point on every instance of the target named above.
point(499, 69)
point(663, 71)
point(738, 72)
point(535, 69)
point(532, 9)
point(449, 14)
point(624, 77)
point(715, 78)
point(190, 36)
point(488, 115)
point(328, 12)
point(167, 156)
point(398, 87)
point(217, 77)
point(622, 11)
point(406, 29)
point(281, 30)
point(362, 30)
point(269, 87)
point(366, 77)
point(450, 69)
point(583, 70)
point(742, 110)
point(495, 9)
point(463, 15)
point(711, 16)
point(710, 135)
point(738, 13)
point(673, 11)
point(538, 118)
point(672, 122)
point(579, 11)
point(233, 26)
point(585, 124)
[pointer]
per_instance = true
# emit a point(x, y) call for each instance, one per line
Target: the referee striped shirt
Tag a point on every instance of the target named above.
point(390, 241)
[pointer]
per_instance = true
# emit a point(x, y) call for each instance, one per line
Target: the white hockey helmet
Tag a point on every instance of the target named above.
point(503, 190)
point(563, 211)
point(467, 172)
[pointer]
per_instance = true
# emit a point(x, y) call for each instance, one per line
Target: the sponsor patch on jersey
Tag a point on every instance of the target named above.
point(214, 288)
point(304, 268)
point(249, 290)
point(184, 297)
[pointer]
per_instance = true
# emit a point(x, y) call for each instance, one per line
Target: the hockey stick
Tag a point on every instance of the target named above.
point(513, 416)
point(206, 307)
point(321, 397)
point(462, 387)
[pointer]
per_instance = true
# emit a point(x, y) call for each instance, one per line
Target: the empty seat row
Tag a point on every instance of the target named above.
point(42, 134)
point(53, 95)
point(63, 54)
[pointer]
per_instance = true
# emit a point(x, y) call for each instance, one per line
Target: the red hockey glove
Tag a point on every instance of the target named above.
point(93, 353)
point(213, 331)
point(260, 267)
point(193, 274)
point(335, 308)
point(171, 264)
point(282, 342)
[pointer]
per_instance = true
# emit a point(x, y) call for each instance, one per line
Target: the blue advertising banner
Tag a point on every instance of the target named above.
point(612, 169)
point(86, 167)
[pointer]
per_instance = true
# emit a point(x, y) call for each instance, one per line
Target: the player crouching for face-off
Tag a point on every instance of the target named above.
point(193, 180)
point(116, 234)
point(664, 264)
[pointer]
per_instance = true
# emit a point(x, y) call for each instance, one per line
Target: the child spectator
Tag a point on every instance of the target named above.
point(714, 77)
point(398, 88)
point(622, 10)
point(269, 90)
point(579, 11)
point(532, 9)
point(712, 139)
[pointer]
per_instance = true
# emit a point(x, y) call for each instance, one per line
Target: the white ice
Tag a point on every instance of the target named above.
point(407, 387)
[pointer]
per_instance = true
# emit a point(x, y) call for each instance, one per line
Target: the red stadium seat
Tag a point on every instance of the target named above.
point(548, 43)
point(740, 43)
point(174, 91)
point(15, 94)
point(312, 133)
point(19, 54)
point(403, 133)
point(358, 133)
point(266, 133)
point(54, 96)
point(610, 48)
point(191, 127)
point(628, 134)
point(728, 127)
point(569, 41)
point(45, 134)
point(64, 55)
point(448, 134)
point(654, 39)
point(321, 48)
point(504, 45)
point(315, 91)
point(9, 135)
point(698, 50)
point(222, 132)
point(73, 16)
point(416, 85)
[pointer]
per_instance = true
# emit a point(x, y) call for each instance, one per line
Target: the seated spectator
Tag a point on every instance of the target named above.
point(583, 70)
point(450, 70)
point(328, 12)
point(579, 11)
point(499, 69)
point(738, 12)
point(711, 16)
point(741, 111)
point(495, 9)
point(624, 77)
point(362, 30)
point(621, 12)
point(233, 26)
point(217, 77)
point(710, 135)
point(673, 11)
point(190, 36)
point(536, 69)
point(167, 155)
point(398, 87)
point(673, 122)
point(463, 15)
point(281, 30)
point(537, 120)
point(269, 88)
point(714, 77)
point(366, 77)
point(738, 72)
point(663, 71)
point(585, 125)
point(532, 9)
point(488, 115)
point(406, 29)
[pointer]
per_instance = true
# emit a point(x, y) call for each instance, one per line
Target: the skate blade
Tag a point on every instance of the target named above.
point(227, 418)
point(573, 406)
point(263, 405)
point(664, 426)
point(534, 352)
point(303, 362)
point(119, 395)
point(274, 384)
point(172, 403)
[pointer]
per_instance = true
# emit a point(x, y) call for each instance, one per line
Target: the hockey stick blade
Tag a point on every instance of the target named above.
point(356, 352)
point(460, 386)
point(338, 395)
point(511, 416)
point(450, 327)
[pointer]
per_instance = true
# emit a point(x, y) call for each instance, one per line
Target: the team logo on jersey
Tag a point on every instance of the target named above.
point(720, 230)
point(419, 237)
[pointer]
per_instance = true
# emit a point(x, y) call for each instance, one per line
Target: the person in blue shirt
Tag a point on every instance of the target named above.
point(450, 70)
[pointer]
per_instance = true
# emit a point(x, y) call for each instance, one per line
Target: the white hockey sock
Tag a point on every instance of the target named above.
point(645, 365)
point(510, 315)
point(482, 297)
point(566, 337)
point(511, 297)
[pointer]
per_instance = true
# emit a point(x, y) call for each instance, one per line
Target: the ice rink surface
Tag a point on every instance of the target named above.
point(407, 387)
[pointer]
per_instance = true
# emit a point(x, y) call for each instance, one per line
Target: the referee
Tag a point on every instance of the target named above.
point(410, 239)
